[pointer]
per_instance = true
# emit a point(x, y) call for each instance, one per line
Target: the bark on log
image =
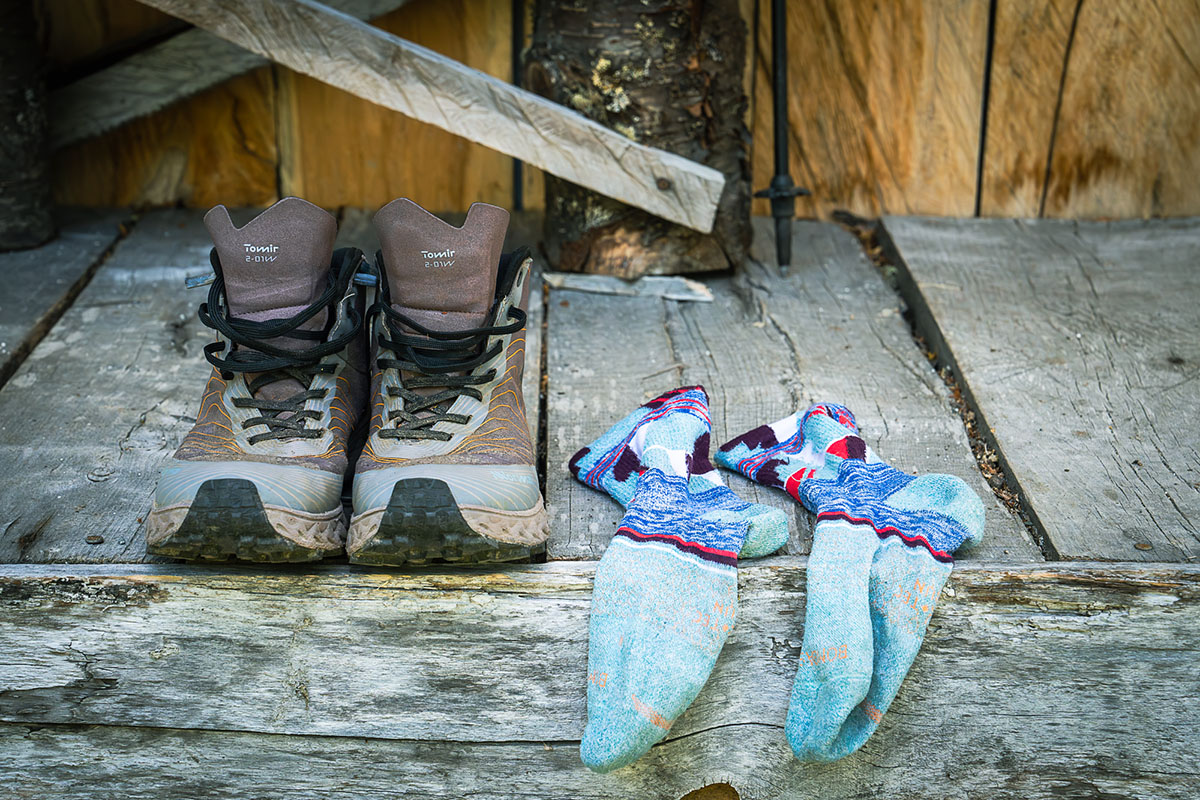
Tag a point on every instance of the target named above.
point(665, 73)
point(25, 207)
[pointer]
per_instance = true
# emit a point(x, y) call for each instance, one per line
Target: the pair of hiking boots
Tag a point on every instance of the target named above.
point(429, 339)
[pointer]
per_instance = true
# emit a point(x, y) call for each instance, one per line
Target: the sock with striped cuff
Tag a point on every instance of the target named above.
point(881, 553)
point(663, 602)
point(672, 433)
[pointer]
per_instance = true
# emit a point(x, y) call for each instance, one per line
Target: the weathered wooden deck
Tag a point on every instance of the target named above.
point(1063, 661)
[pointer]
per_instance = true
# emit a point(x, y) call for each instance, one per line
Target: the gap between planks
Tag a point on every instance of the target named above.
point(41, 283)
point(1075, 343)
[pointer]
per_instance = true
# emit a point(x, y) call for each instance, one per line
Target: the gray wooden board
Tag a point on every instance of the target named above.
point(389, 71)
point(1035, 680)
point(39, 282)
point(1079, 344)
point(158, 76)
point(88, 419)
point(765, 347)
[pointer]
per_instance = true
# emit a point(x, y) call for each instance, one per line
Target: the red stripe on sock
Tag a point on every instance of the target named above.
point(888, 530)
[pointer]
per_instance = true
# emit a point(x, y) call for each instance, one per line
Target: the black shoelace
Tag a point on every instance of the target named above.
point(251, 352)
point(432, 357)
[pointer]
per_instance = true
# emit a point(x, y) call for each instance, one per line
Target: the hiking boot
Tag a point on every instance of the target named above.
point(260, 475)
point(448, 470)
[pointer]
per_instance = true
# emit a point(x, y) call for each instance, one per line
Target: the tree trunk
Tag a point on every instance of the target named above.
point(25, 205)
point(666, 73)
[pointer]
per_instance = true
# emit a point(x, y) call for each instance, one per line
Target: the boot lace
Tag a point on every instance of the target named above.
point(433, 360)
point(249, 351)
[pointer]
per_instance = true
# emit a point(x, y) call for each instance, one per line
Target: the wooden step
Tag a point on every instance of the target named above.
point(1035, 681)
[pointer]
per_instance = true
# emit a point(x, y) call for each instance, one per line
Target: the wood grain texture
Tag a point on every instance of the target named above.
point(764, 348)
point(103, 399)
point(308, 37)
point(884, 105)
point(1030, 45)
point(79, 33)
point(1094, 110)
point(40, 283)
point(340, 149)
point(1128, 139)
point(216, 147)
point(161, 75)
point(1034, 681)
point(1079, 345)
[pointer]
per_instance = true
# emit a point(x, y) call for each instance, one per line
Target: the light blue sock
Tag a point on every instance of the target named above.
point(672, 433)
point(663, 602)
point(835, 660)
point(882, 543)
point(906, 581)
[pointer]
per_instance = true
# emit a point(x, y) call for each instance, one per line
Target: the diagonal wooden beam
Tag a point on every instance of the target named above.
point(161, 75)
point(344, 52)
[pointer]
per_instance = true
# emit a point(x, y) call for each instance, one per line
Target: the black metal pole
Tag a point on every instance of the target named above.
point(782, 191)
point(517, 45)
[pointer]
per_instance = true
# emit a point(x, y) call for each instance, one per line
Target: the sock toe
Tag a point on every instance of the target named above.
point(766, 532)
point(813, 732)
point(615, 742)
point(947, 495)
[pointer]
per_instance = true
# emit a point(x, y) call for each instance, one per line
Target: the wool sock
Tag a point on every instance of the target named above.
point(672, 433)
point(940, 513)
point(663, 602)
point(881, 552)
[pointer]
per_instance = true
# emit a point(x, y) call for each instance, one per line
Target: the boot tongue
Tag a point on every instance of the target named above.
point(275, 266)
point(441, 276)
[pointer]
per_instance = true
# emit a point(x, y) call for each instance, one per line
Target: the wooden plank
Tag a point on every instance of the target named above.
point(103, 399)
point(40, 283)
point(1030, 43)
point(217, 147)
point(766, 347)
point(1093, 110)
point(587, 390)
point(475, 678)
point(1080, 349)
point(338, 149)
point(884, 106)
point(310, 38)
point(79, 33)
point(147, 81)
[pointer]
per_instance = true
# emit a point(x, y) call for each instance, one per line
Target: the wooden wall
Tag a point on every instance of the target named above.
point(1092, 110)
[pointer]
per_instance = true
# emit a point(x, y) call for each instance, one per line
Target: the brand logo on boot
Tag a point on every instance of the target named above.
point(438, 258)
point(260, 253)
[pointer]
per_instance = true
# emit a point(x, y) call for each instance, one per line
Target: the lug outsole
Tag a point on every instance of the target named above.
point(227, 521)
point(423, 523)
